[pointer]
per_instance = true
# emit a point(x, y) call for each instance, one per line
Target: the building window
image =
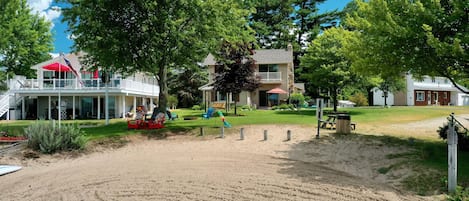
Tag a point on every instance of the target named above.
point(445, 95)
point(420, 96)
point(268, 68)
point(433, 80)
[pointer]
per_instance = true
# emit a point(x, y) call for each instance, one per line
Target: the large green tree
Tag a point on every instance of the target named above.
point(152, 35)
point(324, 62)
point(25, 38)
point(272, 23)
point(423, 37)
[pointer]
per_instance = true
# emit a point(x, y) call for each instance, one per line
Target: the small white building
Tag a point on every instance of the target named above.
point(428, 91)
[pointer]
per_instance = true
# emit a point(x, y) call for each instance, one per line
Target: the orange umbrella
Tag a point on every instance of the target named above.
point(276, 91)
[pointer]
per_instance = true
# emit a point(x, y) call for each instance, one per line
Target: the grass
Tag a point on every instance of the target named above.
point(430, 156)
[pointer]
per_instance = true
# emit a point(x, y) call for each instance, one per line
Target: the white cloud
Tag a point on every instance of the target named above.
point(71, 37)
point(43, 8)
point(54, 55)
point(39, 5)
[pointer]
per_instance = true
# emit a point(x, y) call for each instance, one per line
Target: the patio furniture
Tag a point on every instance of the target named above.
point(209, 113)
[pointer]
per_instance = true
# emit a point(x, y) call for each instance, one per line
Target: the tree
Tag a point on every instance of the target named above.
point(272, 23)
point(25, 38)
point(308, 23)
point(235, 69)
point(324, 62)
point(152, 36)
point(185, 83)
point(423, 37)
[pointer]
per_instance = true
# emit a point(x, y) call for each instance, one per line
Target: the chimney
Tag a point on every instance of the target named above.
point(289, 47)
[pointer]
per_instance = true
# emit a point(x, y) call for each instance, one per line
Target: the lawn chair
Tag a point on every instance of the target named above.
point(134, 124)
point(209, 113)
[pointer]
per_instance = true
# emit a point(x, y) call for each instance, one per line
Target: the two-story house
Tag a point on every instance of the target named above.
point(81, 93)
point(426, 91)
point(275, 68)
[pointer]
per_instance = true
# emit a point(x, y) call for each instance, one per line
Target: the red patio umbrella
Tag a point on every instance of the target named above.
point(58, 67)
point(276, 91)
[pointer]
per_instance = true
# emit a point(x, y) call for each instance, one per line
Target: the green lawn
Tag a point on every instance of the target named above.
point(429, 153)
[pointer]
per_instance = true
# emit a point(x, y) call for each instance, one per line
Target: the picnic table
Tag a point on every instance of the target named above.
point(331, 122)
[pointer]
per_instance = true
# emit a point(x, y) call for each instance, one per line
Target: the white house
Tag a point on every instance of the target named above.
point(81, 93)
point(428, 91)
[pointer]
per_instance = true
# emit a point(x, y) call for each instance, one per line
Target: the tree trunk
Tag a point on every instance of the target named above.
point(162, 82)
point(385, 98)
point(334, 99)
point(235, 108)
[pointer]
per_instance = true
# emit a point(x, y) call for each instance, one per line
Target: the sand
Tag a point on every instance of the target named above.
point(335, 167)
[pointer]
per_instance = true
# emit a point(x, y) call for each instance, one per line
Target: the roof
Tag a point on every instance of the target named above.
point(207, 87)
point(271, 56)
point(73, 58)
point(434, 87)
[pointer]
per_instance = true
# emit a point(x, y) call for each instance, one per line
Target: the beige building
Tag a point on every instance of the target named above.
point(275, 68)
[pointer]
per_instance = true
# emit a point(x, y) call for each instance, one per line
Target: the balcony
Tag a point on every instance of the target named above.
point(270, 77)
point(84, 85)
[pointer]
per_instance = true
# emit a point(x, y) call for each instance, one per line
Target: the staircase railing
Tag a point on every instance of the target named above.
point(4, 104)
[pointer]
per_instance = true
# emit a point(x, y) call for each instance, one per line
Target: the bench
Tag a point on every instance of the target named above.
point(220, 105)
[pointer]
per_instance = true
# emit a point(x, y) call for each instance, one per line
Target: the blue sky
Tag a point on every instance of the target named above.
point(63, 43)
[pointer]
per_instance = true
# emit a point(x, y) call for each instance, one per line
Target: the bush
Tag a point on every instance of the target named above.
point(460, 195)
point(172, 101)
point(297, 99)
point(283, 107)
point(359, 99)
point(196, 107)
point(48, 138)
point(246, 107)
point(463, 139)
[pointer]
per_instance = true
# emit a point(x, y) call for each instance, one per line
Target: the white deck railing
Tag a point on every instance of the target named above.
point(86, 84)
point(270, 76)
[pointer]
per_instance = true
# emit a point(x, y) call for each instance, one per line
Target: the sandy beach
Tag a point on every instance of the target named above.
point(335, 167)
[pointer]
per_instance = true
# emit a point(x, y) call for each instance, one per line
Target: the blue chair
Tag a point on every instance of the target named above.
point(209, 113)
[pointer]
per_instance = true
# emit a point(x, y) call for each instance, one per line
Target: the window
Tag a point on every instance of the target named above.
point(420, 96)
point(445, 95)
point(268, 68)
point(433, 80)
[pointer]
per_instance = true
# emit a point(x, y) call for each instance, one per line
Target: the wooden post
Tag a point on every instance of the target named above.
point(288, 135)
point(201, 131)
point(452, 156)
point(241, 134)
point(265, 135)
point(319, 106)
point(222, 132)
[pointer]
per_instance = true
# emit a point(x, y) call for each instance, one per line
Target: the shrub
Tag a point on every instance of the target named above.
point(463, 139)
point(297, 99)
point(172, 101)
point(283, 107)
point(359, 99)
point(48, 138)
point(460, 194)
point(246, 107)
point(196, 107)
